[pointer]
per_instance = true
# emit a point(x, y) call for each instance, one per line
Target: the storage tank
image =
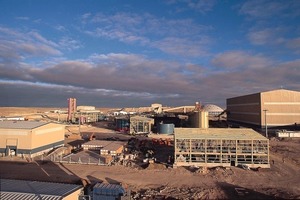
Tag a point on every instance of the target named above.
point(166, 128)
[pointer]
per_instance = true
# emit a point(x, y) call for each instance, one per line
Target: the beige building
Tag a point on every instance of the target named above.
point(29, 138)
point(220, 147)
point(274, 108)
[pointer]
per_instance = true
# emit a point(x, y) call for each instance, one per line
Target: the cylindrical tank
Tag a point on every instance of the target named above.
point(166, 128)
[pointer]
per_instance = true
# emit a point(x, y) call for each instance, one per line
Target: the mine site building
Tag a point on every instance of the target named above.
point(140, 124)
point(220, 147)
point(22, 189)
point(105, 147)
point(276, 108)
point(29, 138)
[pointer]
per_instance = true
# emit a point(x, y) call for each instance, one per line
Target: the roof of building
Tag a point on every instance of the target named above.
point(104, 144)
point(97, 143)
point(108, 189)
point(269, 91)
point(141, 118)
point(279, 90)
point(180, 109)
point(212, 108)
point(218, 133)
point(21, 124)
point(20, 189)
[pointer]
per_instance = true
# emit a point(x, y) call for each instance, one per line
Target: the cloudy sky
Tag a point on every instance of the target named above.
point(123, 53)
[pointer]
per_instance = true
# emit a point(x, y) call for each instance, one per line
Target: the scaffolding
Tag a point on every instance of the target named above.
point(220, 147)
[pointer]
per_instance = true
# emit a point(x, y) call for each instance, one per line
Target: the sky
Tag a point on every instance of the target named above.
point(132, 53)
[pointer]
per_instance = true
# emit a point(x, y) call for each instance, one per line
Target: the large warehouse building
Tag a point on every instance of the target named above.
point(275, 108)
point(29, 138)
point(220, 147)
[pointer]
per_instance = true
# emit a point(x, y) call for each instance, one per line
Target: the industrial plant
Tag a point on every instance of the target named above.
point(192, 136)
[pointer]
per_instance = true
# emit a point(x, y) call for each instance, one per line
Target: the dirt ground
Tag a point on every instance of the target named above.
point(281, 181)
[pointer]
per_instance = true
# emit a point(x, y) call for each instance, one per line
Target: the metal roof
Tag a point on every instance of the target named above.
point(20, 189)
point(108, 189)
point(212, 108)
point(21, 124)
point(218, 133)
point(26, 196)
point(105, 145)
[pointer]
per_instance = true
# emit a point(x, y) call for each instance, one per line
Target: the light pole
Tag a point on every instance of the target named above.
point(266, 126)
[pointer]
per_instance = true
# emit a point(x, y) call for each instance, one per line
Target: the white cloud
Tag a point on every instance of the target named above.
point(294, 43)
point(184, 47)
point(69, 43)
point(239, 60)
point(201, 6)
point(260, 37)
point(25, 44)
point(263, 8)
point(22, 18)
point(179, 37)
point(60, 28)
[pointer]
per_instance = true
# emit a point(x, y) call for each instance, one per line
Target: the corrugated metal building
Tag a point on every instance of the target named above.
point(275, 108)
point(220, 147)
point(35, 190)
point(104, 191)
point(29, 138)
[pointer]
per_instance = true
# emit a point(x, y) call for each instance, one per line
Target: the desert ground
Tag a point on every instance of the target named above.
point(156, 181)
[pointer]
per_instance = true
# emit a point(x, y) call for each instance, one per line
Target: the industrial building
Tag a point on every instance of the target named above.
point(225, 147)
point(105, 147)
point(82, 114)
point(87, 114)
point(21, 189)
point(276, 108)
point(106, 191)
point(29, 138)
point(140, 124)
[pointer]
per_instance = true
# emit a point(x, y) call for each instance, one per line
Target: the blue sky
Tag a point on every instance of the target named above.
point(134, 53)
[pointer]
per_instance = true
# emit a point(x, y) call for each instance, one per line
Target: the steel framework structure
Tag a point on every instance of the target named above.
point(220, 147)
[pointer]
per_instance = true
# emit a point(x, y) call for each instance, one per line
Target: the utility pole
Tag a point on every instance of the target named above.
point(266, 126)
